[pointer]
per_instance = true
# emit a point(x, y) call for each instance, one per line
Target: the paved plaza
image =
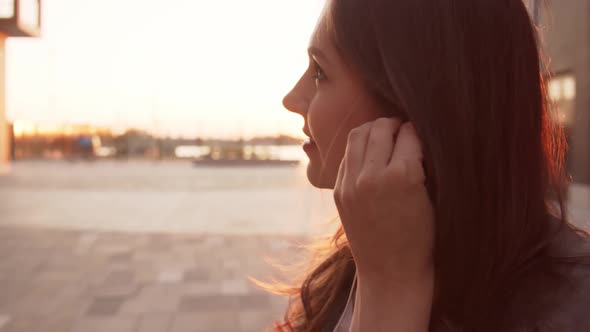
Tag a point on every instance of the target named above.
point(155, 247)
point(144, 246)
point(85, 281)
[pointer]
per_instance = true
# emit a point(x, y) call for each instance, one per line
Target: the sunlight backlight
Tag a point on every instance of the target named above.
point(6, 8)
point(190, 68)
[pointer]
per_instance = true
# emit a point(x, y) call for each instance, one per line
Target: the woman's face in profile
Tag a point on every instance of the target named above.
point(332, 100)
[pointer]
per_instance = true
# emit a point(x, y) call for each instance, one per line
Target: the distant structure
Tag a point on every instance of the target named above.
point(565, 26)
point(55, 141)
point(18, 18)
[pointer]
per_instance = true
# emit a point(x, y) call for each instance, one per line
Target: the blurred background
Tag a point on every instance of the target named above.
point(148, 168)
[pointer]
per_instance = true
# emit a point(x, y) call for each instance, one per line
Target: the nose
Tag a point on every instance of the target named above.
point(295, 101)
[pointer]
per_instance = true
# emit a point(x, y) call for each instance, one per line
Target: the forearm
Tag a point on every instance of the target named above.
point(390, 306)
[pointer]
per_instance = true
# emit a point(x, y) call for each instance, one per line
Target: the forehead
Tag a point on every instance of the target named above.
point(321, 37)
point(322, 46)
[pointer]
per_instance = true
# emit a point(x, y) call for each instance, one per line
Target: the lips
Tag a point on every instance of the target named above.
point(306, 132)
point(309, 143)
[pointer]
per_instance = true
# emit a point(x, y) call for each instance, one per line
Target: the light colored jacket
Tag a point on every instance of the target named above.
point(346, 318)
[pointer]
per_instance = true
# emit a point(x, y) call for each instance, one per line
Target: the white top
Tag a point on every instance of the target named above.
point(346, 318)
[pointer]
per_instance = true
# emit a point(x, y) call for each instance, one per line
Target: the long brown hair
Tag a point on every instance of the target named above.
point(467, 74)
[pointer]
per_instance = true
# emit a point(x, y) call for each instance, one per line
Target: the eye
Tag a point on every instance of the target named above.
point(318, 72)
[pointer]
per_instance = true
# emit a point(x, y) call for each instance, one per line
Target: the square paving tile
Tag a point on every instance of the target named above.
point(234, 287)
point(123, 257)
point(256, 320)
point(106, 306)
point(209, 321)
point(4, 319)
point(156, 322)
point(193, 303)
point(170, 276)
point(254, 301)
point(123, 290)
point(197, 274)
point(201, 288)
point(105, 324)
point(23, 324)
point(153, 298)
point(119, 277)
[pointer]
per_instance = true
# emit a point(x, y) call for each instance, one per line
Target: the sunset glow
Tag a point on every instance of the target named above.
point(179, 67)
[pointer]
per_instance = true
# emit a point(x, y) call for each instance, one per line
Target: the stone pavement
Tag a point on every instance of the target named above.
point(55, 280)
point(134, 277)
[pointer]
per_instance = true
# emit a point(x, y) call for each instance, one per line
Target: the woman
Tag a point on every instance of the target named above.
point(428, 118)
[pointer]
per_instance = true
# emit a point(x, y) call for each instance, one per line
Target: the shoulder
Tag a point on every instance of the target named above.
point(567, 303)
point(572, 310)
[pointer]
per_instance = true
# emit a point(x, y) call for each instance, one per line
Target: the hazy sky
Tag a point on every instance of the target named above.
point(181, 67)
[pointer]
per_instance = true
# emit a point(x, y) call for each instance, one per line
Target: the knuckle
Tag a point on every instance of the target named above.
point(407, 173)
point(383, 122)
point(398, 171)
point(337, 198)
point(374, 140)
point(346, 199)
point(337, 190)
point(336, 193)
point(389, 122)
point(397, 122)
point(416, 174)
point(359, 131)
point(367, 125)
point(385, 126)
point(380, 122)
point(342, 196)
point(366, 183)
point(379, 131)
point(354, 134)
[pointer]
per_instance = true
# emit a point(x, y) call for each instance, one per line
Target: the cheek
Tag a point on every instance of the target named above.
point(327, 126)
point(331, 118)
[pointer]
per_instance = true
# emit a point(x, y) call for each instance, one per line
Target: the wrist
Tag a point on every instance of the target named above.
point(393, 305)
point(419, 273)
point(417, 282)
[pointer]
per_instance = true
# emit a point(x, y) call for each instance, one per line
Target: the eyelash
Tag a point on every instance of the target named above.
point(318, 74)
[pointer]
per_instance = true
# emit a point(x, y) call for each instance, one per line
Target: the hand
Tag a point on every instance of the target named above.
point(383, 202)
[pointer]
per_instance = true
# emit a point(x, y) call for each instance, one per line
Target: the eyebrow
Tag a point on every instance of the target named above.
point(315, 52)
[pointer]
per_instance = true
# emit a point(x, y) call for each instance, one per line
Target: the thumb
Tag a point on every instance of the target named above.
point(406, 159)
point(407, 145)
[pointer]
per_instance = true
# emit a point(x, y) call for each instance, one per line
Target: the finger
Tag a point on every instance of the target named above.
point(407, 152)
point(380, 144)
point(341, 173)
point(355, 149)
point(338, 187)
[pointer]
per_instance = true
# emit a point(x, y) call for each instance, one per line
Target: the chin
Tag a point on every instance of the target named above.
point(319, 179)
